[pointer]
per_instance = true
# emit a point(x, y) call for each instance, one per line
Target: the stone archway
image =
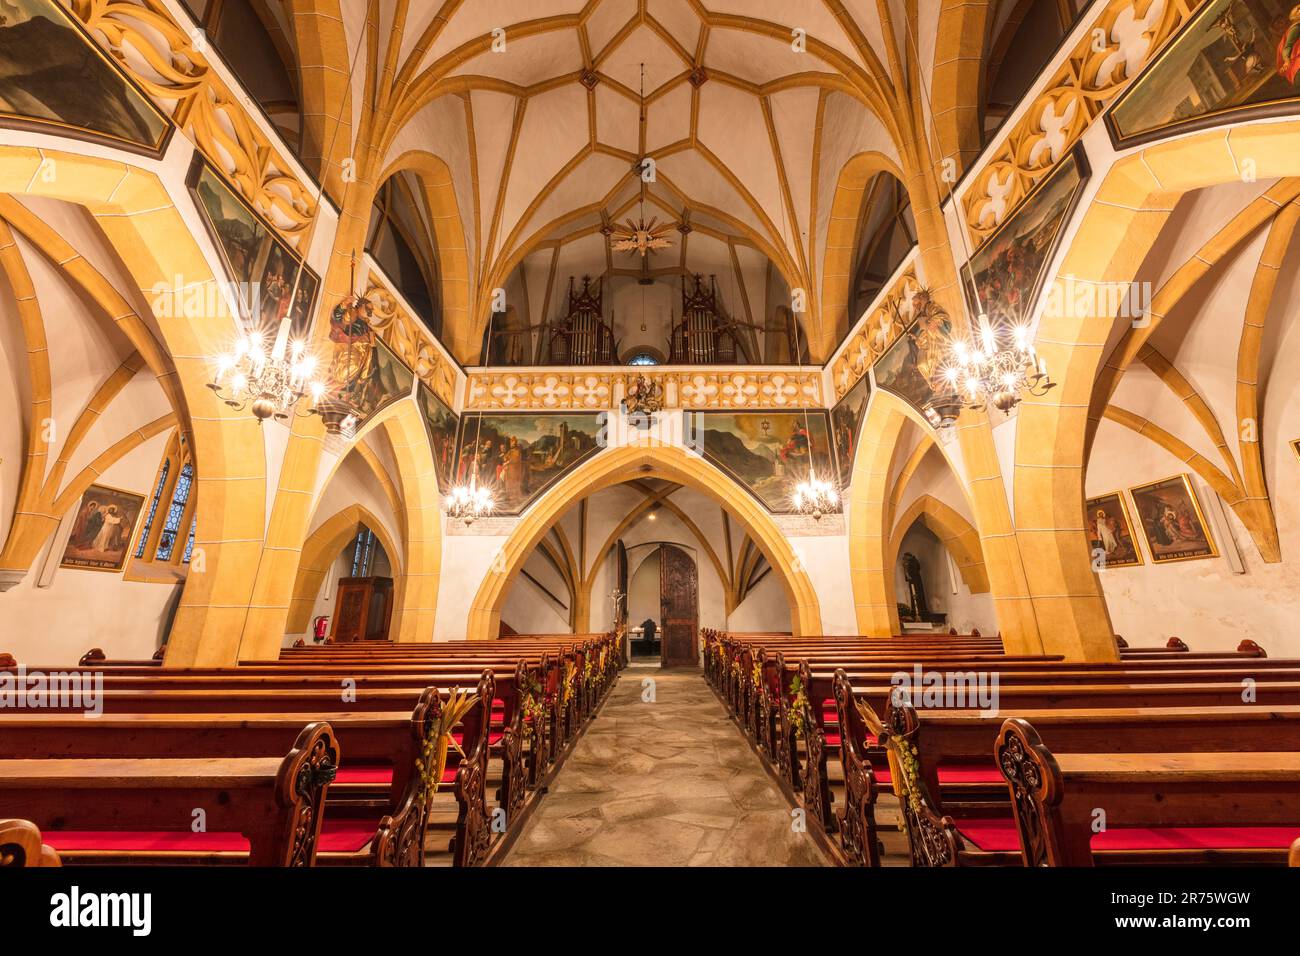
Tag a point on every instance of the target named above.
point(150, 235)
point(649, 461)
point(1135, 200)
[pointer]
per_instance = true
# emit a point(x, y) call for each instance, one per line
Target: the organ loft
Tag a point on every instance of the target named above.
point(573, 434)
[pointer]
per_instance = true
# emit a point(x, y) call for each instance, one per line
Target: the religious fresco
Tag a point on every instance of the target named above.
point(52, 73)
point(103, 529)
point(519, 455)
point(1110, 533)
point(768, 453)
point(266, 274)
point(1003, 278)
point(442, 425)
point(1235, 59)
point(1172, 521)
point(846, 426)
point(911, 365)
point(363, 375)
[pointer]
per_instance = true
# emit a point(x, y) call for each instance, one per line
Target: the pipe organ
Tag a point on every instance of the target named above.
point(581, 336)
point(704, 336)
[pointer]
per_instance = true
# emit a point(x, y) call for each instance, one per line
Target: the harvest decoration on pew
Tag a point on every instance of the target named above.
point(534, 711)
point(432, 761)
point(570, 680)
point(798, 701)
point(903, 765)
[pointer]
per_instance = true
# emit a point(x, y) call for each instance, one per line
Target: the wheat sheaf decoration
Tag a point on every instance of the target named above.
point(433, 754)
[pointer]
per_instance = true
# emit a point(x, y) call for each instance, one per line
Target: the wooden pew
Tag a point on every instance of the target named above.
point(21, 846)
point(946, 743)
point(1201, 679)
point(383, 764)
point(1241, 807)
point(269, 808)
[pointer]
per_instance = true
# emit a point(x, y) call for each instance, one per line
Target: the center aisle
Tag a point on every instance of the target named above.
point(662, 777)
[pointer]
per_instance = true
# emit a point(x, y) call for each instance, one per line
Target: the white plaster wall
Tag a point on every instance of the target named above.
point(84, 609)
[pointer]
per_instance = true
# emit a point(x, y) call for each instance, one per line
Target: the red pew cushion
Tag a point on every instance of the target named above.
point(371, 773)
point(1195, 838)
point(1000, 835)
point(345, 835)
point(493, 737)
point(948, 773)
point(145, 841)
point(990, 835)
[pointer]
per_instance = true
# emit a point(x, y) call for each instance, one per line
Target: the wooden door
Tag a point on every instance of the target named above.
point(678, 606)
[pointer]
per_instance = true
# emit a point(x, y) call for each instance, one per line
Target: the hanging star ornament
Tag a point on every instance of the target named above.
point(642, 238)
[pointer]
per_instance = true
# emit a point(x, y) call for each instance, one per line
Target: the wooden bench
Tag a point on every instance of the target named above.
point(949, 747)
point(21, 846)
point(267, 808)
point(1241, 807)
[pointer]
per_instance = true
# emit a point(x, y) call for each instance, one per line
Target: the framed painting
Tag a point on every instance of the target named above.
point(1295, 447)
point(1234, 60)
point(1003, 277)
point(442, 425)
point(846, 425)
point(911, 365)
point(53, 74)
point(381, 379)
point(766, 453)
point(270, 280)
point(1110, 532)
point(1172, 521)
point(103, 529)
point(521, 454)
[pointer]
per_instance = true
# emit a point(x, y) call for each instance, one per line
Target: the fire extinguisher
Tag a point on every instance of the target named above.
point(322, 627)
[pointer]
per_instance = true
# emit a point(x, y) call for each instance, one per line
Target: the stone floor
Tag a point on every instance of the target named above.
point(662, 777)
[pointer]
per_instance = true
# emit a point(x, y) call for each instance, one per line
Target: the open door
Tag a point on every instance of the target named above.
point(678, 606)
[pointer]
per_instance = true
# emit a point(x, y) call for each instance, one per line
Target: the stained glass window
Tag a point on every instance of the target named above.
point(643, 358)
point(189, 544)
point(362, 551)
point(175, 512)
point(153, 508)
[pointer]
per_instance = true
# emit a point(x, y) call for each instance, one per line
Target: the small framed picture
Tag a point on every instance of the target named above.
point(1110, 532)
point(1172, 521)
point(103, 529)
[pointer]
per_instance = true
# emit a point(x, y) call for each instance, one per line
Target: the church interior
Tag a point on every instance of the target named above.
point(724, 433)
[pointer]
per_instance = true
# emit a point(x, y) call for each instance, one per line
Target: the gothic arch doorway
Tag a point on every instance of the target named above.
point(679, 604)
point(664, 605)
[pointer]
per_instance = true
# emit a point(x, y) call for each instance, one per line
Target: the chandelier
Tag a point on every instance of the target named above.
point(470, 502)
point(995, 365)
point(270, 384)
point(815, 497)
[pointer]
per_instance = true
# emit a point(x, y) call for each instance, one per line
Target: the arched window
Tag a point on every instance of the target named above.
point(885, 237)
point(171, 511)
point(643, 357)
point(402, 242)
point(1024, 37)
point(253, 43)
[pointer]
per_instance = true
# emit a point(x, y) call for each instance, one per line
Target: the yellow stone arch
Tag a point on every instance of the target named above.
point(842, 232)
point(319, 552)
point(1134, 202)
point(150, 235)
point(651, 460)
point(955, 533)
point(420, 556)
